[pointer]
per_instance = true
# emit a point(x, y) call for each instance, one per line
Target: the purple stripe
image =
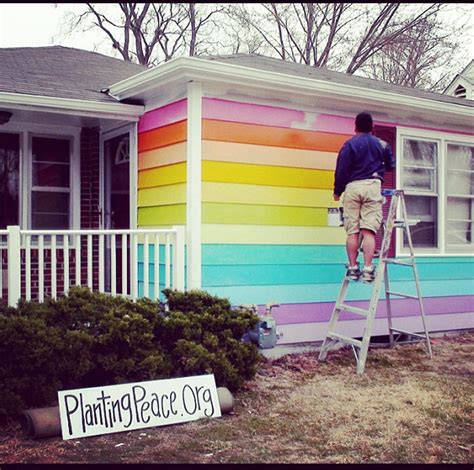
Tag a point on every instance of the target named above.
point(321, 311)
point(163, 116)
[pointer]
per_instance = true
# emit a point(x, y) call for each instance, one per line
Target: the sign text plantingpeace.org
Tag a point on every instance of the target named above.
point(124, 407)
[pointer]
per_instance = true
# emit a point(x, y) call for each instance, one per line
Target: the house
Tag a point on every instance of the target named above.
point(462, 84)
point(233, 157)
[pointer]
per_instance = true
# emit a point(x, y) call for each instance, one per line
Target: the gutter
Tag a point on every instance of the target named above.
point(74, 107)
point(190, 68)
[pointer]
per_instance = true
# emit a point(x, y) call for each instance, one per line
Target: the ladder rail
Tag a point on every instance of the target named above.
point(397, 205)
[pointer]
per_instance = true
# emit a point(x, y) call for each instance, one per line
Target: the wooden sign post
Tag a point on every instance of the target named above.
point(124, 407)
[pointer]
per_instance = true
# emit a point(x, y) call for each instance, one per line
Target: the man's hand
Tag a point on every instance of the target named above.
point(336, 197)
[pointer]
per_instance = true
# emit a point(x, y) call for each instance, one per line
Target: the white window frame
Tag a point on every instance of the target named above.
point(443, 138)
point(33, 188)
point(26, 130)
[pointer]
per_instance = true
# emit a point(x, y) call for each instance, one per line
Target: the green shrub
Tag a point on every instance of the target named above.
point(87, 339)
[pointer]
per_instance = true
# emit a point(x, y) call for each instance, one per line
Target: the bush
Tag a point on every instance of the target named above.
point(89, 339)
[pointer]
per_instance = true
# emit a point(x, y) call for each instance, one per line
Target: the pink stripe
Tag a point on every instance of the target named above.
point(321, 312)
point(224, 110)
point(160, 117)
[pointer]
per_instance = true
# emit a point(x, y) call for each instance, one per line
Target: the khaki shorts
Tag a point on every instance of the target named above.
point(362, 205)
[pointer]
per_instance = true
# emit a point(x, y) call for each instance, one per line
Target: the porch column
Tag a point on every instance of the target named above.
point(193, 186)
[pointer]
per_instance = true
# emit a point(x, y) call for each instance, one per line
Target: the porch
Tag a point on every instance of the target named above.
point(35, 264)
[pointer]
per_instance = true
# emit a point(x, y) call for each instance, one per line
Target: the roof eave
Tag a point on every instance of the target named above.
point(188, 68)
point(75, 107)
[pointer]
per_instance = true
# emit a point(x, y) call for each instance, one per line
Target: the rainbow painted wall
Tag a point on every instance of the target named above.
point(267, 179)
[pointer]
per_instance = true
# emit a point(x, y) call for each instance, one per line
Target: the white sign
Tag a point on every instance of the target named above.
point(124, 407)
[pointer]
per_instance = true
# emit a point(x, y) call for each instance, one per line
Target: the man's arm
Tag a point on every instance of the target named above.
point(341, 176)
point(388, 159)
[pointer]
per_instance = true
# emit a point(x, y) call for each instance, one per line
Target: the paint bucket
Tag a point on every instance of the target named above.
point(41, 422)
point(335, 217)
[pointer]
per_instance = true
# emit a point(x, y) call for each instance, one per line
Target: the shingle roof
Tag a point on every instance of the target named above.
point(301, 70)
point(61, 72)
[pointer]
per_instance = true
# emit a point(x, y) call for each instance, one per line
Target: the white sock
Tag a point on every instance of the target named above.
point(353, 267)
point(368, 268)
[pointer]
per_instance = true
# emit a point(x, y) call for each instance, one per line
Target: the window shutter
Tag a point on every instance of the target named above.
point(389, 135)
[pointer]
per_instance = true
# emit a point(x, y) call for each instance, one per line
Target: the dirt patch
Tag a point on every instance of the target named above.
point(406, 408)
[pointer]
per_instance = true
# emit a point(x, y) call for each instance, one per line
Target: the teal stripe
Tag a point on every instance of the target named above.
point(227, 254)
point(245, 275)
point(328, 292)
point(232, 254)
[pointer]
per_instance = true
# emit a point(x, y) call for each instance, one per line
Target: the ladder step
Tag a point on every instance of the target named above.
point(407, 296)
point(396, 261)
point(408, 333)
point(345, 339)
point(352, 309)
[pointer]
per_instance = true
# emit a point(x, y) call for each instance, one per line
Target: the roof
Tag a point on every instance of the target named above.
point(321, 73)
point(61, 72)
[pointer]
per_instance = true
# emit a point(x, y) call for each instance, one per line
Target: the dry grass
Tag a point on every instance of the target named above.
point(406, 408)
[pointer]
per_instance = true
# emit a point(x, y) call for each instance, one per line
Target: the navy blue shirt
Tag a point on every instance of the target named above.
point(364, 156)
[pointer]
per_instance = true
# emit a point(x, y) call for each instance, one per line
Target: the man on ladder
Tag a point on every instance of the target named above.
point(360, 168)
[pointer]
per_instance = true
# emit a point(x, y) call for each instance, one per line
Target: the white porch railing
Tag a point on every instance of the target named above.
point(131, 263)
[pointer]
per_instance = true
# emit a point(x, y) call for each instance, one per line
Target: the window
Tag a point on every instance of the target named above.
point(460, 197)
point(51, 182)
point(419, 179)
point(437, 175)
point(9, 179)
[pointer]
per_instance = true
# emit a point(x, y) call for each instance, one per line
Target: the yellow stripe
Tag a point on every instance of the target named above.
point(269, 234)
point(267, 175)
point(163, 156)
point(162, 196)
point(213, 213)
point(162, 176)
point(264, 155)
point(163, 215)
point(269, 195)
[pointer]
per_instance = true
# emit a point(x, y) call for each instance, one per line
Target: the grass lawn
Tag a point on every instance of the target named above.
point(406, 408)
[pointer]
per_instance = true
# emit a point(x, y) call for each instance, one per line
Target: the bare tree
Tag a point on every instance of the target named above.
point(349, 37)
point(148, 33)
point(422, 56)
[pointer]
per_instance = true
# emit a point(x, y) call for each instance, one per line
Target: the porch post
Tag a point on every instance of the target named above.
point(14, 265)
point(193, 186)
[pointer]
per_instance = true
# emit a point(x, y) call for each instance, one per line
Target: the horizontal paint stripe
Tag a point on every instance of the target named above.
point(213, 213)
point(225, 254)
point(163, 116)
point(321, 311)
point(164, 215)
point(251, 113)
point(162, 196)
point(262, 155)
point(270, 274)
point(165, 175)
point(267, 175)
point(267, 195)
point(230, 254)
point(310, 332)
point(167, 135)
point(175, 153)
point(272, 136)
point(328, 292)
point(271, 234)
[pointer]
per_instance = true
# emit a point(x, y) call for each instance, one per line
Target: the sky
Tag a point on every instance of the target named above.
point(39, 24)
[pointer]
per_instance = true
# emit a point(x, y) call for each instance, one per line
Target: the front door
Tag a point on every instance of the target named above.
point(117, 182)
point(116, 204)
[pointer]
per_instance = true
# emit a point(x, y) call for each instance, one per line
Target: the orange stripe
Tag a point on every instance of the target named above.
point(163, 136)
point(272, 136)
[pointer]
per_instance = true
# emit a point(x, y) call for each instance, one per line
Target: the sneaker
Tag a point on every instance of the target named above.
point(353, 273)
point(368, 274)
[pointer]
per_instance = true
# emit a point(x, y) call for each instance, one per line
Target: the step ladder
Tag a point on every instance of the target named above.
point(360, 347)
